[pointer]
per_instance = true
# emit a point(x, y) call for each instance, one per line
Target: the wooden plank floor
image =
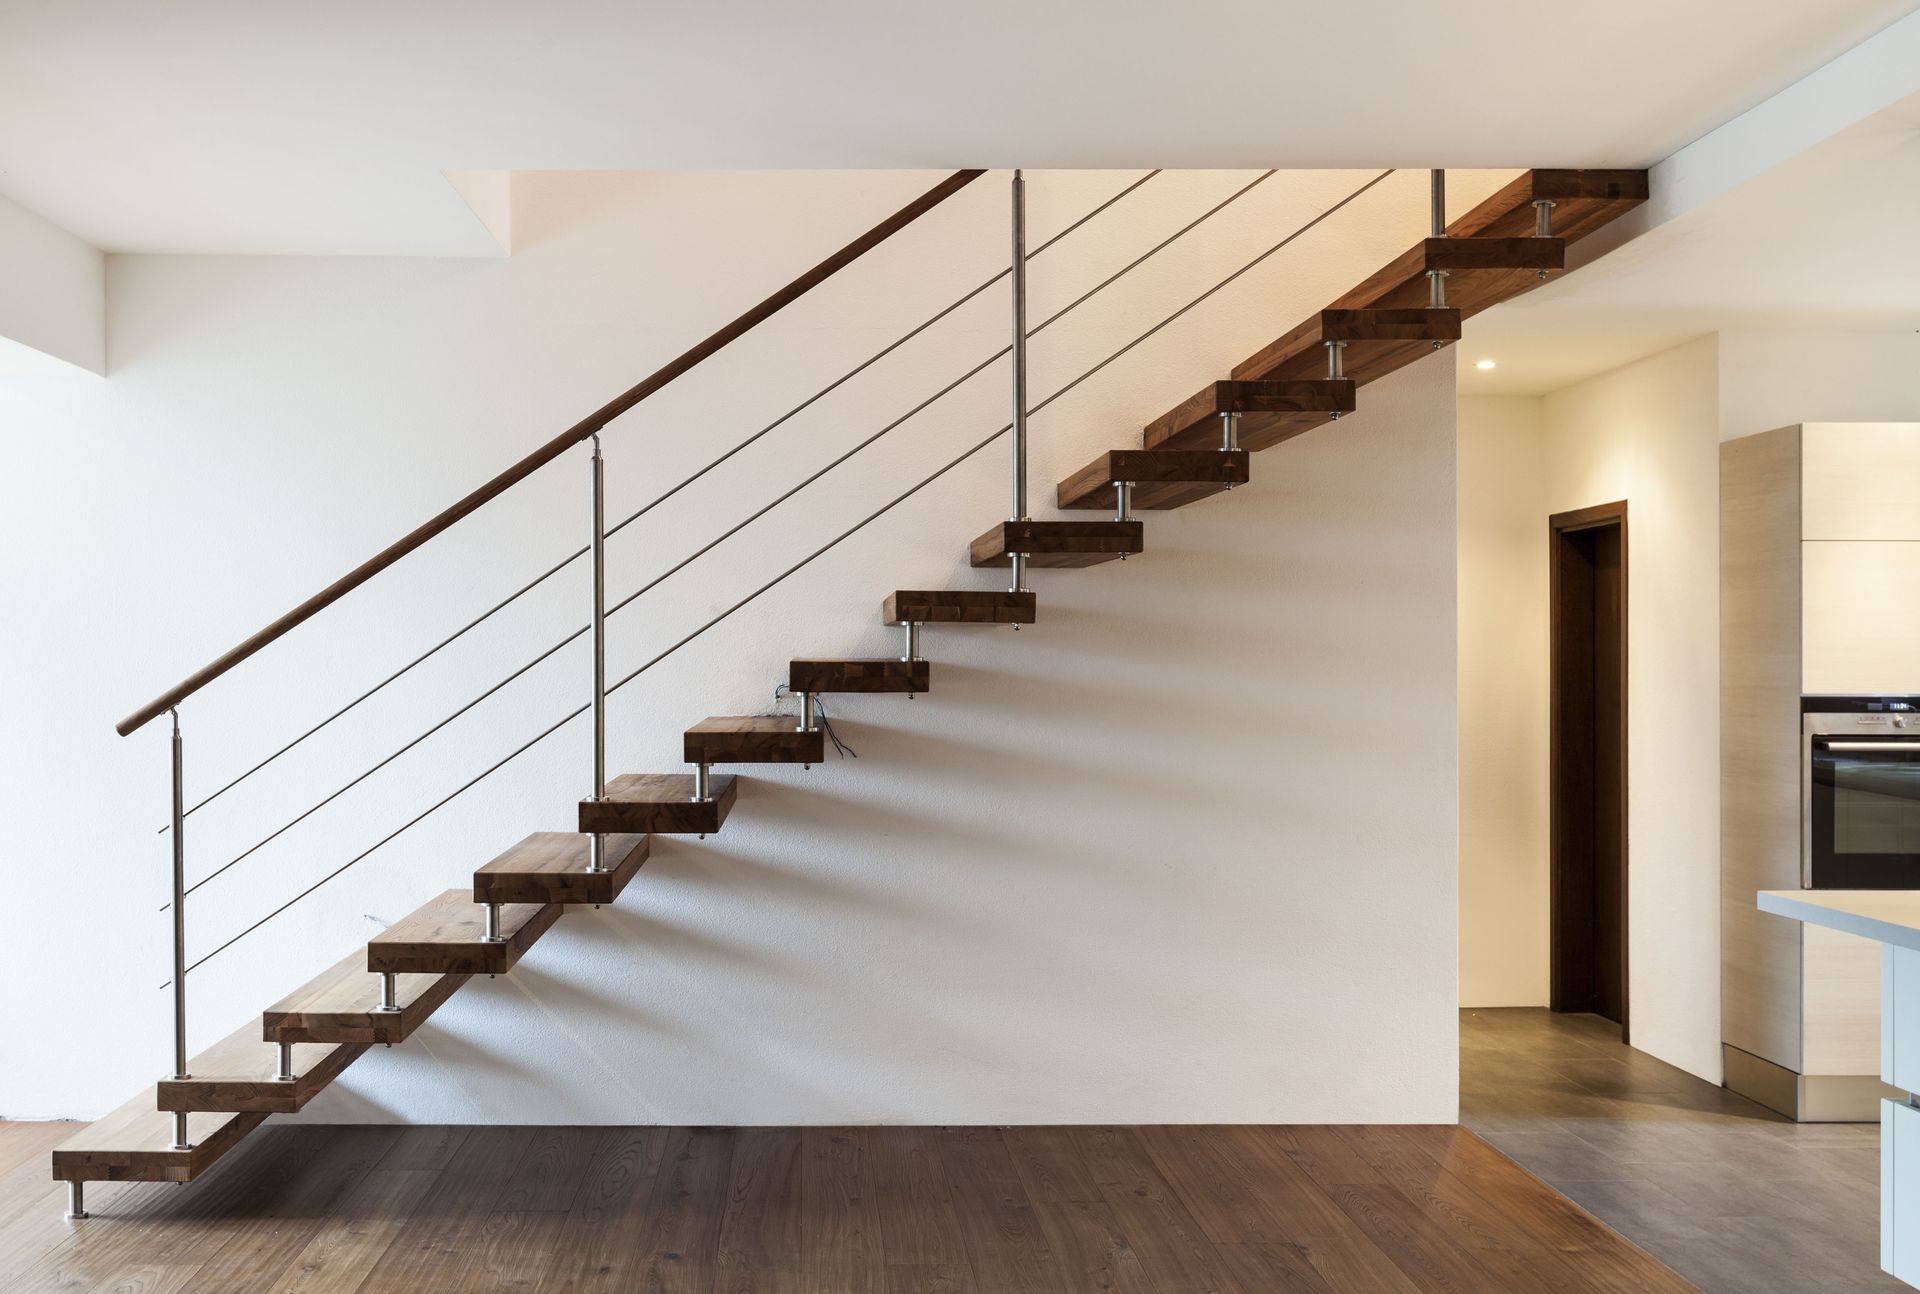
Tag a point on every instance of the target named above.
point(1149, 1210)
point(1729, 1194)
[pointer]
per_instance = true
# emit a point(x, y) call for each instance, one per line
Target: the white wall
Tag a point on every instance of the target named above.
point(1503, 702)
point(1139, 862)
point(54, 300)
point(1776, 377)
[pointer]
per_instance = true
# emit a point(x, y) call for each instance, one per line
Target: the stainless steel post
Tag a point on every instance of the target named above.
point(1229, 431)
point(179, 919)
point(493, 935)
point(1019, 347)
point(1437, 279)
point(285, 1073)
point(76, 1200)
point(1123, 500)
point(388, 1000)
point(1336, 362)
point(913, 640)
point(806, 712)
point(597, 844)
point(1019, 369)
point(1543, 217)
point(702, 784)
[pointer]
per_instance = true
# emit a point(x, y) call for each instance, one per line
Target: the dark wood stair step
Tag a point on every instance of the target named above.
point(238, 1076)
point(132, 1144)
point(448, 935)
point(1482, 272)
point(551, 867)
point(885, 674)
point(1270, 412)
point(1059, 543)
point(959, 606)
point(661, 803)
point(339, 1005)
point(754, 739)
point(1583, 202)
point(1162, 478)
point(1376, 342)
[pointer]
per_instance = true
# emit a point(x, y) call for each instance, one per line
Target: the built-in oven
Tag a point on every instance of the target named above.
point(1860, 792)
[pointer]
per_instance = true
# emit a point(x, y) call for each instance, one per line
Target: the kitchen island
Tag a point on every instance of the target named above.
point(1892, 917)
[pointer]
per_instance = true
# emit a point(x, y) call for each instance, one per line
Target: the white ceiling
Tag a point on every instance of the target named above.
point(237, 126)
point(1824, 239)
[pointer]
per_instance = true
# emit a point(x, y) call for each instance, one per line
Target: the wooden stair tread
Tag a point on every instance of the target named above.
point(131, 1144)
point(447, 934)
point(754, 739)
point(878, 674)
point(661, 803)
point(959, 606)
point(1162, 478)
point(338, 1005)
point(1059, 543)
point(1270, 412)
point(551, 867)
point(1583, 202)
point(1482, 272)
point(237, 1075)
point(1376, 343)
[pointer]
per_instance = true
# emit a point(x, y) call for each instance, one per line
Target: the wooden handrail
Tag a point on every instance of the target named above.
point(540, 457)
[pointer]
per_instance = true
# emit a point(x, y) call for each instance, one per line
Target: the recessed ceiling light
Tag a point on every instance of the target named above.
point(1483, 364)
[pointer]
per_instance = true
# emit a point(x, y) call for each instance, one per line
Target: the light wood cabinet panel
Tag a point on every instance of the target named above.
point(1860, 617)
point(1840, 990)
point(1861, 480)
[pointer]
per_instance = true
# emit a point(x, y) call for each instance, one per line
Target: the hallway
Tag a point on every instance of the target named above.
point(1730, 1195)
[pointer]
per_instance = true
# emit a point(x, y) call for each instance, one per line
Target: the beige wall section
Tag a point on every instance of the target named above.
point(1649, 433)
point(1503, 702)
point(1779, 377)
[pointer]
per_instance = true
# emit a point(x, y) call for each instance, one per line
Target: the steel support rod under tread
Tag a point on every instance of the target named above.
point(388, 1000)
point(285, 1073)
point(913, 640)
point(702, 783)
point(76, 1200)
point(1122, 500)
point(493, 935)
point(1230, 428)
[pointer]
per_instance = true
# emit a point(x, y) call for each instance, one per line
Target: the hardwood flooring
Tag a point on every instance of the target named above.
point(1727, 1193)
point(1143, 1210)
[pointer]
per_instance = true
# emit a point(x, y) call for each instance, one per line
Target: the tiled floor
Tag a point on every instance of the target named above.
point(1728, 1194)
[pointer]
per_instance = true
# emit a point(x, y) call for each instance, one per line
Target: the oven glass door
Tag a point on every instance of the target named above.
point(1865, 795)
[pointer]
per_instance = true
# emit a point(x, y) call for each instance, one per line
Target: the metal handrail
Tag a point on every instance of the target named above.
point(708, 547)
point(661, 498)
point(552, 450)
point(816, 553)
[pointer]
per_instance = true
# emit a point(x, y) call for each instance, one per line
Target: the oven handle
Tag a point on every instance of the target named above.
point(1860, 746)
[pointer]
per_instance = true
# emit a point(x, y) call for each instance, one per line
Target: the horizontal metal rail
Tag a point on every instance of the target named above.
point(578, 553)
point(871, 517)
point(548, 452)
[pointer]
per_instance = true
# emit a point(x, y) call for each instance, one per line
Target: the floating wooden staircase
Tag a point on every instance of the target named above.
point(1306, 378)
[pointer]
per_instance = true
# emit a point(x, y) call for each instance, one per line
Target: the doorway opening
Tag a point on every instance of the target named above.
point(1587, 555)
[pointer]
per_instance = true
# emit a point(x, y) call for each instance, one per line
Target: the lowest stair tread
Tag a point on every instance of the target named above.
point(133, 1143)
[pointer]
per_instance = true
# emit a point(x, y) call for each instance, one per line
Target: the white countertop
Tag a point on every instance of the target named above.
point(1891, 916)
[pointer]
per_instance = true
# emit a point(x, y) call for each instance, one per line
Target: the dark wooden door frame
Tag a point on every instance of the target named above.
point(1560, 525)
